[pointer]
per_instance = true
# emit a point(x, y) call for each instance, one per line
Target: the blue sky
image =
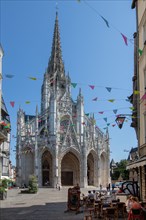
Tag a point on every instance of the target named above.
point(93, 53)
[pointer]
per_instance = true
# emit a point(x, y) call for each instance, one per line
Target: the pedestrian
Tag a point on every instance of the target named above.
point(100, 187)
point(107, 186)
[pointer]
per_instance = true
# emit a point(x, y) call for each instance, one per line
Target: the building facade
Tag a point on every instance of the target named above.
point(61, 144)
point(4, 130)
point(138, 166)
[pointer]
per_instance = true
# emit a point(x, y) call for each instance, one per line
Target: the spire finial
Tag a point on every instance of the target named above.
point(56, 8)
point(55, 61)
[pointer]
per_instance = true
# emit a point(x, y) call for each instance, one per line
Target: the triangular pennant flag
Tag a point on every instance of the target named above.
point(100, 112)
point(136, 92)
point(108, 124)
point(113, 125)
point(140, 52)
point(95, 99)
point(105, 128)
point(83, 123)
point(105, 119)
point(27, 102)
point(111, 100)
point(125, 38)
point(74, 85)
point(144, 96)
point(32, 78)
point(115, 111)
point(108, 89)
point(132, 108)
point(12, 103)
point(87, 114)
point(127, 100)
point(9, 76)
point(105, 21)
point(91, 86)
point(72, 125)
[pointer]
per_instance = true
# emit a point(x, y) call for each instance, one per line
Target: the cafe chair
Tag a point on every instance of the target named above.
point(111, 213)
point(136, 214)
point(89, 206)
point(122, 210)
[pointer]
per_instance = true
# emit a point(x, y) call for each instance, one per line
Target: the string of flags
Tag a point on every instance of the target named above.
point(108, 25)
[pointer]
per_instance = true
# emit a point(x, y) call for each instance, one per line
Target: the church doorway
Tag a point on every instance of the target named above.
point(70, 170)
point(90, 169)
point(46, 169)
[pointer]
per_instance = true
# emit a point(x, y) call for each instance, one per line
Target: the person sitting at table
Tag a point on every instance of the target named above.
point(90, 195)
point(128, 203)
point(134, 205)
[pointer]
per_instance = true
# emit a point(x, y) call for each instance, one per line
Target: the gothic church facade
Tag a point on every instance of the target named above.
point(61, 144)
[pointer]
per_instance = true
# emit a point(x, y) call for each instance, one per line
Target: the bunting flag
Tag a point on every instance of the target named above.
point(72, 125)
point(95, 99)
point(12, 103)
point(131, 108)
point(144, 96)
point(83, 123)
point(87, 114)
point(115, 111)
point(100, 112)
point(27, 102)
point(108, 124)
point(32, 78)
point(125, 39)
point(136, 92)
point(92, 87)
point(105, 21)
point(108, 89)
point(140, 52)
point(111, 100)
point(9, 76)
point(105, 119)
point(113, 125)
point(74, 85)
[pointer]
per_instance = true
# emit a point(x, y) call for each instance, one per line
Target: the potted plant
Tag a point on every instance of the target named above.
point(3, 193)
point(32, 186)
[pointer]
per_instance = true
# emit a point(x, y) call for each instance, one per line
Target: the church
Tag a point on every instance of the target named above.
point(61, 144)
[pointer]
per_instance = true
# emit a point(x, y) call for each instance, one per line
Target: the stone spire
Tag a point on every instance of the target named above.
point(55, 61)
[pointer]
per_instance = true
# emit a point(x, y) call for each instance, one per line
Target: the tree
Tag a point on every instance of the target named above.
point(120, 170)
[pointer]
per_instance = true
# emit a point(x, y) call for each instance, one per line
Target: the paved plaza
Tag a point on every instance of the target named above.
point(47, 204)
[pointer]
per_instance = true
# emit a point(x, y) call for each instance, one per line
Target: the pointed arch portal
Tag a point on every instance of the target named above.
point(46, 169)
point(70, 170)
point(90, 169)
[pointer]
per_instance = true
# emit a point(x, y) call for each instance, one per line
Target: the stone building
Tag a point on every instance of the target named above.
point(61, 144)
point(137, 167)
point(4, 129)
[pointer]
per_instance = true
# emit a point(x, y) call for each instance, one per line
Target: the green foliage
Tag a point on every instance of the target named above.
point(2, 189)
point(33, 184)
point(5, 183)
point(120, 170)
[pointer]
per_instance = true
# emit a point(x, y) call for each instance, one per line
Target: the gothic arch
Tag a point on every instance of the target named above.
point(103, 169)
point(47, 168)
point(91, 167)
point(70, 169)
point(28, 164)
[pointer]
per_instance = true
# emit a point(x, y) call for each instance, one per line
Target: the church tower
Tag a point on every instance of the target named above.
point(61, 144)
